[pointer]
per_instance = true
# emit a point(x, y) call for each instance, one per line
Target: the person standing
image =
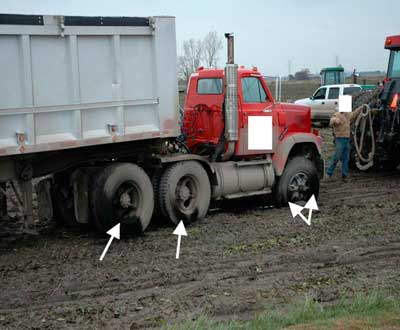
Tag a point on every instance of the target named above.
point(341, 122)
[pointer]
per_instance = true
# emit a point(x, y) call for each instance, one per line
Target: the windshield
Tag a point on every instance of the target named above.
point(253, 91)
point(333, 77)
point(394, 64)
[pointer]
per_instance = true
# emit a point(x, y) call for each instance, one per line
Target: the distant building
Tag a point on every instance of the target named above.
point(366, 73)
point(371, 73)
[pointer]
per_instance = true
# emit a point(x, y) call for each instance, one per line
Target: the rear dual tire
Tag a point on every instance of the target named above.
point(184, 192)
point(122, 193)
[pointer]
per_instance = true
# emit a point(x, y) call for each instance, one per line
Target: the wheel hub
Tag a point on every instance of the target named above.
point(125, 200)
point(184, 193)
point(299, 186)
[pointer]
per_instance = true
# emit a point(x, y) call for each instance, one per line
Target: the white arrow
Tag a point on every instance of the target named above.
point(180, 231)
point(311, 205)
point(113, 232)
point(296, 211)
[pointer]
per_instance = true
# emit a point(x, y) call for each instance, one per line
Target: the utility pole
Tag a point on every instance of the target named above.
point(289, 67)
point(337, 60)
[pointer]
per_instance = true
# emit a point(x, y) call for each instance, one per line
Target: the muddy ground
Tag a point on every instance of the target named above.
point(233, 264)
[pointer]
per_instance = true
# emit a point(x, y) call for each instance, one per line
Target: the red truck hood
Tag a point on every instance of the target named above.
point(290, 106)
point(298, 117)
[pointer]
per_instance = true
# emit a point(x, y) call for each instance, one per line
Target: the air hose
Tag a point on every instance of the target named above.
point(363, 119)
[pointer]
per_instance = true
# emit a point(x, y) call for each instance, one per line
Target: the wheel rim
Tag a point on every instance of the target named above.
point(127, 202)
point(299, 187)
point(186, 194)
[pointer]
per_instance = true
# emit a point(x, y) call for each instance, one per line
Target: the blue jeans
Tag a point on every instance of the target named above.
point(342, 153)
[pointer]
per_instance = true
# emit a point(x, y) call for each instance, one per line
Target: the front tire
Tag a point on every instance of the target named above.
point(298, 182)
point(184, 192)
point(122, 193)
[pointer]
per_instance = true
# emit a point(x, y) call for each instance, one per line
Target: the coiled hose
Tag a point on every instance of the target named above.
point(363, 119)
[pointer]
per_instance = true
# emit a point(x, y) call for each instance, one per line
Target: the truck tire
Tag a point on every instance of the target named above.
point(298, 182)
point(184, 192)
point(158, 217)
point(386, 160)
point(122, 193)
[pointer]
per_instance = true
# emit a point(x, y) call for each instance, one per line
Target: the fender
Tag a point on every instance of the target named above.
point(187, 157)
point(283, 148)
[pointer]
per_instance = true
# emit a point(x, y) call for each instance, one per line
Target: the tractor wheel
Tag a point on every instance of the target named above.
point(364, 97)
point(359, 99)
point(122, 193)
point(386, 157)
point(184, 192)
point(386, 160)
point(298, 182)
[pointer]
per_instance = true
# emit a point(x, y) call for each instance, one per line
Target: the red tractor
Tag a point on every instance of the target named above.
point(219, 106)
point(376, 132)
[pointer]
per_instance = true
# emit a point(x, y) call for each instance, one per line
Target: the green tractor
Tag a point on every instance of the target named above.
point(335, 76)
point(332, 76)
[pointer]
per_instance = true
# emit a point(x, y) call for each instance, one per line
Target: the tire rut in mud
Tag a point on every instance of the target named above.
point(233, 263)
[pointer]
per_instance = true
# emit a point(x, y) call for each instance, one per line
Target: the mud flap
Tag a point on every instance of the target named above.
point(45, 205)
point(80, 179)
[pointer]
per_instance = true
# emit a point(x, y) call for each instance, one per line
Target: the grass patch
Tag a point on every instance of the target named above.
point(290, 241)
point(373, 311)
point(251, 247)
point(194, 232)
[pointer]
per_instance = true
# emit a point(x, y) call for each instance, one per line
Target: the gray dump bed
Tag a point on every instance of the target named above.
point(68, 82)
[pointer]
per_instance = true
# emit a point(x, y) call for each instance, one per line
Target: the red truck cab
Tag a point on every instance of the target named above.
point(203, 121)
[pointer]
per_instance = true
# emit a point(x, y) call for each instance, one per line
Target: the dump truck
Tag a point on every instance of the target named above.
point(376, 132)
point(89, 119)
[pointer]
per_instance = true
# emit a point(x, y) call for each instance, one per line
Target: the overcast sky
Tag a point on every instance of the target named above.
point(269, 33)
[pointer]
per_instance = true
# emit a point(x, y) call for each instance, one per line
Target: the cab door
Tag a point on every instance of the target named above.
point(255, 109)
point(332, 100)
point(318, 100)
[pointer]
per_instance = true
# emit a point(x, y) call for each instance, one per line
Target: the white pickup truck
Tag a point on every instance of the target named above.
point(325, 100)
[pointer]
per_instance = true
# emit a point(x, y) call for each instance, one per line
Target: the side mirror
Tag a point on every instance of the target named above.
point(282, 118)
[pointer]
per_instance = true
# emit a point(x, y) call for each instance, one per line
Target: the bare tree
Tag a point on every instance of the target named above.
point(196, 51)
point(190, 60)
point(212, 44)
